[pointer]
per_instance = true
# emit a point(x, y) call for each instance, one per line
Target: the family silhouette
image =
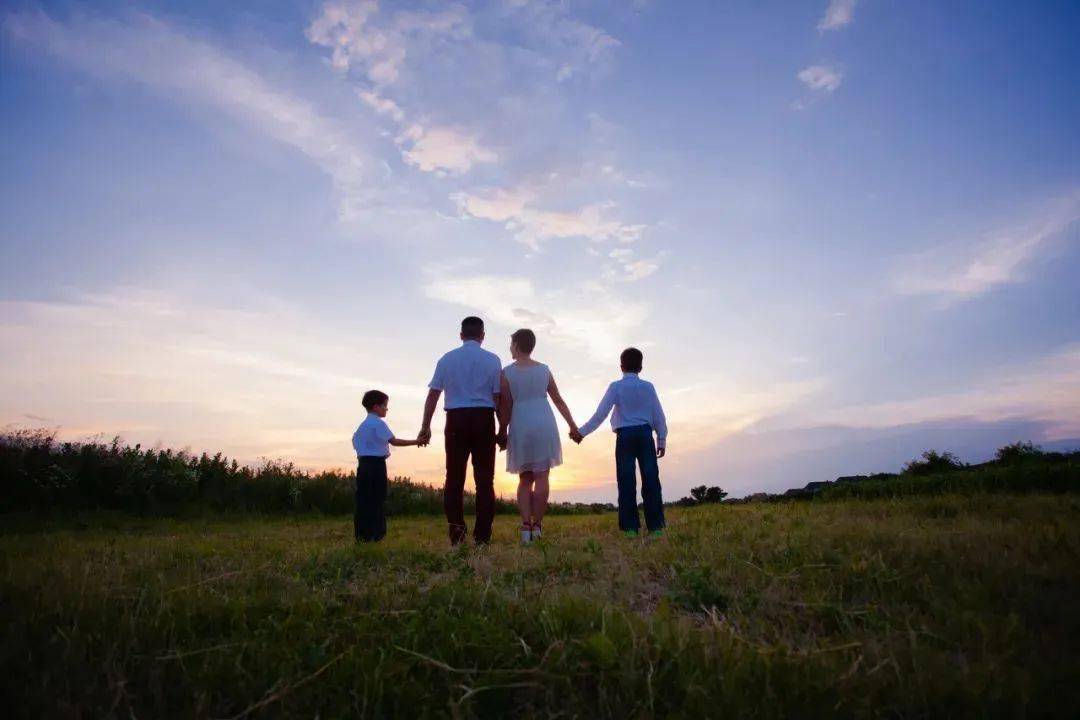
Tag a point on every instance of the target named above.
point(479, 392)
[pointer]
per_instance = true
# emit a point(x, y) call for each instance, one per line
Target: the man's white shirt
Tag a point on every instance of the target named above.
point(631, 402)
point(372, 438)
point(469, 375)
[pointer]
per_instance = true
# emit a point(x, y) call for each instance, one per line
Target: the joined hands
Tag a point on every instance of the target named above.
point(576, 435)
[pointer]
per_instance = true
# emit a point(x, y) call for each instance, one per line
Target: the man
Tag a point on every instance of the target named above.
point(469, 375)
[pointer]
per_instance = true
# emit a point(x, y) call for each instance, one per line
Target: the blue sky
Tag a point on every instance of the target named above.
point(842, 231)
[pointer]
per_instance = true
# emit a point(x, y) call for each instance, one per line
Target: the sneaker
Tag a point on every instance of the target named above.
point(536, 532)
point(527, 534)
point(656, 533)
point(630, 533)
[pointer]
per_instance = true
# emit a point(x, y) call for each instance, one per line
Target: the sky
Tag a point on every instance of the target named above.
point(842, 231)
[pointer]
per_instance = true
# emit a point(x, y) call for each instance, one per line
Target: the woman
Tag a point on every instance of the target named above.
point(533, 446)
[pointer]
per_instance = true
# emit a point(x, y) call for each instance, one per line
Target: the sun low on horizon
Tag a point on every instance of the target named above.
point(842, 232)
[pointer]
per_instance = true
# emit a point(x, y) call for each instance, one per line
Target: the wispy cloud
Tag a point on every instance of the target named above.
point(589, 317)
point(839, 14)
point(1046, 390)
point(964, 270)
point(533, 226)
point(627, 266)
point(443, 149)
point(573, 47)
point(259, 377)
point(382, 105)
point(360, 38)
point(821, 78)
point(181, 67)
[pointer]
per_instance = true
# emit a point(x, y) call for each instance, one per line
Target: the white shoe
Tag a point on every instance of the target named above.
point(536, 532)
point(526, 537)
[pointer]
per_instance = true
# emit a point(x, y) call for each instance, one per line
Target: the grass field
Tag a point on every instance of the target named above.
point(920, 607)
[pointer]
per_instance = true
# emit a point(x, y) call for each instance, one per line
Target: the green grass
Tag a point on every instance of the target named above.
point(917, 607)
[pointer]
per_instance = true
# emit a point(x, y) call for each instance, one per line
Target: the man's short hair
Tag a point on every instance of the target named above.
point(525, 339)
point(631, 360)
point(472, 327)
point(373, 398)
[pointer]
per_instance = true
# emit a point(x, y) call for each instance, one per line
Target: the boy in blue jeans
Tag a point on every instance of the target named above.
point(372, 441)
point(637, 415)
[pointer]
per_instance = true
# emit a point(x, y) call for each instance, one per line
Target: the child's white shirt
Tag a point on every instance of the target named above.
point(372, 438)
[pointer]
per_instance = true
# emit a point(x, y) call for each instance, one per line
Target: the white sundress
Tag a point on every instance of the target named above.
point(533, 442)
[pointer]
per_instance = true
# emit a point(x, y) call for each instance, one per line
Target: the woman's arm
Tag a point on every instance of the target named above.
point(560, 404)
point(506, 407)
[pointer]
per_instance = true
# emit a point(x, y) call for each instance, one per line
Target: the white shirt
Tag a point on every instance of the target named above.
point(635, 403)
point(372, 438)
point(469, 375)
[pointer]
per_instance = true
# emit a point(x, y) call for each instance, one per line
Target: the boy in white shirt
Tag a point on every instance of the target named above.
point(372, 441)
point(637, 414)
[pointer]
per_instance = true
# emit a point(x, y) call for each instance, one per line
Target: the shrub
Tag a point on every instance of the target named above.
point(1018, 452)
point(933, 462)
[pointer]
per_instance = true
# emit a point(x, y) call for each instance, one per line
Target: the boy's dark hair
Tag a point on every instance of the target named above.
point(525, 339)
point(631, 360)
point(373, 398)
point(472, 327)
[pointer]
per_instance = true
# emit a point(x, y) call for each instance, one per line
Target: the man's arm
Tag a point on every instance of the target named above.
point(504, 402)
point(601, 413)
point(496, 384)
point(430, 404)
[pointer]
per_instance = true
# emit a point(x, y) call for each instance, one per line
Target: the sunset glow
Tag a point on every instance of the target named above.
point(219, 226)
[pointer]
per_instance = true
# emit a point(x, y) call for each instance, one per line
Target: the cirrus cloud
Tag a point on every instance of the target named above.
point(821, 78)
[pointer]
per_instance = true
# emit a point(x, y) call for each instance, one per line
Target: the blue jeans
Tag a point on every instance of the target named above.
point(635, 445)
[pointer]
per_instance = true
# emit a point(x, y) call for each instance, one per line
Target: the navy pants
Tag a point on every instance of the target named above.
point(470, 431)
point(634, 445)
point(369, 512)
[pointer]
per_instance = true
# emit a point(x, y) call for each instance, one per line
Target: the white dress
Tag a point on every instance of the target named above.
point(533, 442)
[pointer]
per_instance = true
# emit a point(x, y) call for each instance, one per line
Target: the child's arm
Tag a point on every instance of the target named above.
point(560, 405)
point(660, 426)
point(406, 443)
point(601, 413)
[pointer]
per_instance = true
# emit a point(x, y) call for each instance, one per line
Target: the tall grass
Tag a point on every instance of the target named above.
point(39, 473)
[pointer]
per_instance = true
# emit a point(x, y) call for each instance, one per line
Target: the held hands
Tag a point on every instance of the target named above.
point(423, 437)
point(500, 439)
point(576, 435)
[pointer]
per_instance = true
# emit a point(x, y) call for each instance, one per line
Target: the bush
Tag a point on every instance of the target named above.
point(1018, 452)
point(933, 462)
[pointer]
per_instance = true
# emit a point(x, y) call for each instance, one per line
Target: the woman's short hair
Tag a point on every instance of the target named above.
point(525, 339)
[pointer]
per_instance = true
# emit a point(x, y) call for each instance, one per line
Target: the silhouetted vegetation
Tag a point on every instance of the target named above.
point(702, 495)
point(933, 462)
point(1021, 467)
point(1018, 452)
point(38, 473)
